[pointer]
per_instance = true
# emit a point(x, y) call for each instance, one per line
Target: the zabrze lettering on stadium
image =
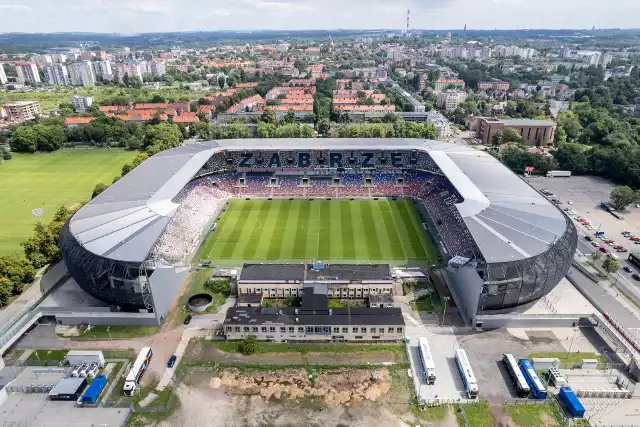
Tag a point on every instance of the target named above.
point(334, 160)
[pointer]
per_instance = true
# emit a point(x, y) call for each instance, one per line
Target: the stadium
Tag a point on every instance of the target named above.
point(407, 202)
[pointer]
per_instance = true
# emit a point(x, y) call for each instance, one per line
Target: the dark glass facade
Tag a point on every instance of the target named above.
point(512, 284)
point(114, 282)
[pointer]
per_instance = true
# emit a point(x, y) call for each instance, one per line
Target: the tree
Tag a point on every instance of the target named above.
point(219, 286)
point(596, 255)
point(572, 157)
point(622, 196)
point(324, 127)
point(510, 135)
point(610, 265)
point(99, 188)
point(269, 116)
point(6, 290)
point(248, 346)
point(496, 139)
point(24, 139)
point(5, 154)
point(265, 130)
point(289, 118)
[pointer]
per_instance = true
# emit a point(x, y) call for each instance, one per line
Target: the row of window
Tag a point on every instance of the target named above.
point(314, 329)
point(331, 293)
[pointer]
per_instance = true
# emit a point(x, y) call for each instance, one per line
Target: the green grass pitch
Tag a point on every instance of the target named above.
point(338, 231)
point(49, 180)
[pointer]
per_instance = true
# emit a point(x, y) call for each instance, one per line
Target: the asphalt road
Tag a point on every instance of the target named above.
point(602, 300)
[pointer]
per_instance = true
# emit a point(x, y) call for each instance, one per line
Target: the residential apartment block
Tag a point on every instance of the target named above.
point(81, 103)
point(450, 99)
point(3, 76)
point(493, 85)
point(22, 111)
point(27, 73)
point(57, 74)
point(82, 74)
point(103, 70)
point(532, 132)
point(443, 84)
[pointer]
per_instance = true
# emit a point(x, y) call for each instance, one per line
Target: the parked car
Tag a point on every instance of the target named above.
point(172, 361)
point(604, 249)
point(589, 238)
point(617, 247)
point(608, 240)
point(627, 269)
point(187, 319)
point(636, 277)
point(626, 233)
point(622, 250)
point(594, 243)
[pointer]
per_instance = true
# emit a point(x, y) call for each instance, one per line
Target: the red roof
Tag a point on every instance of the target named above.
point(78, 120)
point(186, 118)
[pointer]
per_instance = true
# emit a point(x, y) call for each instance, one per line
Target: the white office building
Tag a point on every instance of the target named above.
point(103, 70)
point(81, 74)
point(450, 99)
point(57, 74)
point(157, 68)
point(81, 103)
point(28, 73)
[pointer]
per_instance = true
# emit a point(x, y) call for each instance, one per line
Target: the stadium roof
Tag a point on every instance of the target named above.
point(508, 219)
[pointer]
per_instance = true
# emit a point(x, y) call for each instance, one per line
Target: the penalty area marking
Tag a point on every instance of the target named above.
point(313, 227)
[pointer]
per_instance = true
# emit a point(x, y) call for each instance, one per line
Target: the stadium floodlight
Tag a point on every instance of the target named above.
point(38, 213)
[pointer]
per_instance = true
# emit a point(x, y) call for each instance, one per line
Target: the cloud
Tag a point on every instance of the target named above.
point(16, 7)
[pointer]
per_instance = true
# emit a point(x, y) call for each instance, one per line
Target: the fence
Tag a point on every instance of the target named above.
point(517, 401)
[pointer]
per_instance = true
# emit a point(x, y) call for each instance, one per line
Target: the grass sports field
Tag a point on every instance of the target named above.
point(49, 180)
point(349, 231)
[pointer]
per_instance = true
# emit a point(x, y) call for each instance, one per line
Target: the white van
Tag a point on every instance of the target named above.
point(613, 256)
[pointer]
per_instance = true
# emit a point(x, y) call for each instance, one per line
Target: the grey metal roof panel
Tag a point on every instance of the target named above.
point(126, 220)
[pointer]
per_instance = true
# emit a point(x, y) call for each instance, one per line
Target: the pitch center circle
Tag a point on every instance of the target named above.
point(317, 227)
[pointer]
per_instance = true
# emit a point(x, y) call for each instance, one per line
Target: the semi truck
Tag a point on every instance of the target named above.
point(558, 174)
point(571, 402)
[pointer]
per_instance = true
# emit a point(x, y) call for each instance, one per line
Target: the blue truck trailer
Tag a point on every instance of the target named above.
point(571, 402)
point(95, 388)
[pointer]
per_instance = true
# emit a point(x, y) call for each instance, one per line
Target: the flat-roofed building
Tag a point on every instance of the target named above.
point(21, 111)
point(532, 132)
point(289, 280)
point(314, 321)
point(27, 73)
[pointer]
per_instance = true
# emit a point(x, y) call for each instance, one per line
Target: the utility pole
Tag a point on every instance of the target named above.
point(575, 331)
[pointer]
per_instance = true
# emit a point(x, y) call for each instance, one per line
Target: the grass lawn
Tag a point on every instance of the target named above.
point(49, 180)
point(431, 414)
point(117, 332)
point(272, 347)
point(352, 231)
point(52, 100)
point(48, 355)
point(534, 415)
point(429, 303)
point(478, 414)
point(570, 358)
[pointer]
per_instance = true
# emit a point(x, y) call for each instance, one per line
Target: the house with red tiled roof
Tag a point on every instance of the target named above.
point(248, 103)
point(246, 85)
point(112, 108)
point(72, 122)
point(186, 118)
point(139, 116)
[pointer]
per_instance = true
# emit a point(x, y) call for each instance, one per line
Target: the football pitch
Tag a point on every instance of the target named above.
point(49, 180)
point(338, 231)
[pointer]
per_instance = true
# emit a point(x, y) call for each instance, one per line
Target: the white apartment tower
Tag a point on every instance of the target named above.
point(3, 76)
point(27, 73)
point(81, 103)
point(57, 74)
point(81, 74)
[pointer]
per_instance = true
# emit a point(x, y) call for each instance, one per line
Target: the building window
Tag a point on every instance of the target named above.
point(358, 337)
point(355, 330)
point(254, 329)
point(283, 329)
point(237, 329)
point(345, 330)
point(336, 330)
point(391, 330)
point(263, 329)
point(363, 330)
point(245, 329)
point(309, 329)
point(291, 329)
point(272, 328)
point(373, 330)
point(399, 330)
point(229, 329)
point(300, 328)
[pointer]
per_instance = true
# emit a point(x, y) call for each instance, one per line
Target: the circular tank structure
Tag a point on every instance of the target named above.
point(199, 302)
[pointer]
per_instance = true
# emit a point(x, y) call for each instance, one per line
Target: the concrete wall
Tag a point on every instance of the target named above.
point(120, 319)
point(465, 286)
point(528, 321)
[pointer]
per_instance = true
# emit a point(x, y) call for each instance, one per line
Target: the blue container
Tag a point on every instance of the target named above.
point(94, 390)
point(571, 402)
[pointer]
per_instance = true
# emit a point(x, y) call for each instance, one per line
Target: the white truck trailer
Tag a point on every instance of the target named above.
point(75, 357)
point(559, 174)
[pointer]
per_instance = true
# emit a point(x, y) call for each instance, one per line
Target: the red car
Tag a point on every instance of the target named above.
point(609, 241)
point(603, 249)
point(617, 247)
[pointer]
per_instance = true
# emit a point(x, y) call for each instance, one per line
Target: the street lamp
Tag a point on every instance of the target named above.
point(444, 309)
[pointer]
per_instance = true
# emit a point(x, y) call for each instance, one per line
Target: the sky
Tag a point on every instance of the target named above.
point(137, 16)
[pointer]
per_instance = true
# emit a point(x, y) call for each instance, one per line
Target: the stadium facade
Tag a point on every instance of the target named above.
point(504, 245)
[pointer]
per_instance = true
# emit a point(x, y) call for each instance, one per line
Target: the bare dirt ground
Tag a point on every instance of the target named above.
point(359, 358)
point(206, 401)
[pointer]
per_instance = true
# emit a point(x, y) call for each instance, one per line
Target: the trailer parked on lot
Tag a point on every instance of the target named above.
point(95, 389)
point(571, 402)
point(558, 174)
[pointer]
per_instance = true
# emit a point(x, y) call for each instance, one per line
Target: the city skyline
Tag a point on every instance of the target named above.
point(132, 17)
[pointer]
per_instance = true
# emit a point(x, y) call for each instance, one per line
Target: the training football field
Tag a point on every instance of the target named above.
point(348, 231)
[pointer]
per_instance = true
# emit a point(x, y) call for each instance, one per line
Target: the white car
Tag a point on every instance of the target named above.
point(594, 243)
point(569, 202)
